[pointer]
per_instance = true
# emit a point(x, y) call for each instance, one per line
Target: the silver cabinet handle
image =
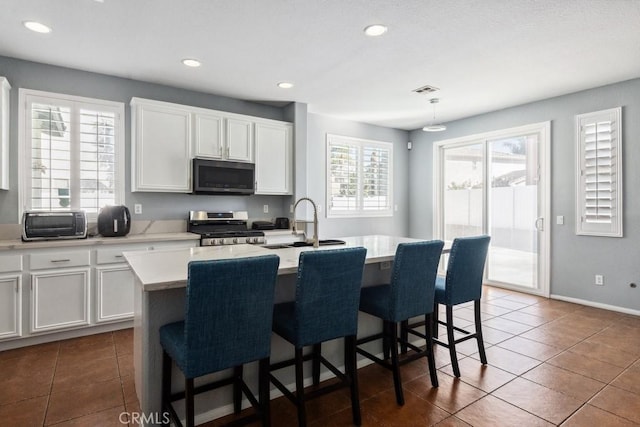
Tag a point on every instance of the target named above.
point(118, 256)
point(61, 260)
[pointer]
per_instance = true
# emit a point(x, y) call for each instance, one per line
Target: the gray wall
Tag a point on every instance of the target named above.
point(318, 127)
point(158, 206)
point(574, 259)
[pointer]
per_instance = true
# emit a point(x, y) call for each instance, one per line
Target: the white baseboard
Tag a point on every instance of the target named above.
point(596, 304)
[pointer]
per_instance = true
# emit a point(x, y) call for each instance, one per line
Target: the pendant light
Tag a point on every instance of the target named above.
point(434, 127)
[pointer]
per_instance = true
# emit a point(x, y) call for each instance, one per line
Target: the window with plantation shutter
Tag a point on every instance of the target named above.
point(72, 152)
point(599, 183)
point(358, 177)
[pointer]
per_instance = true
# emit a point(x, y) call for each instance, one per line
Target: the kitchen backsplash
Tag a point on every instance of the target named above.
point(14, 231)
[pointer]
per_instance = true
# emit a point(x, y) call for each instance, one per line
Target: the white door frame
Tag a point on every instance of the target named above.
point(543, 130)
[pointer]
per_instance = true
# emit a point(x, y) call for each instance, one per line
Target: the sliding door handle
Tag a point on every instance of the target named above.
point(539, 224)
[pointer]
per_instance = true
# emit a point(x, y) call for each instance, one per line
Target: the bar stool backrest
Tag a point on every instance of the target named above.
point(465, 269)
point(229, 311)
point(328, 294)
point(413, 279)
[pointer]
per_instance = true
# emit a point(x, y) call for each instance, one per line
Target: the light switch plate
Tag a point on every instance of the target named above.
point(560, 220)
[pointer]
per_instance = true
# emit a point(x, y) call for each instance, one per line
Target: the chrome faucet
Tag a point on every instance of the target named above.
point(315, 220)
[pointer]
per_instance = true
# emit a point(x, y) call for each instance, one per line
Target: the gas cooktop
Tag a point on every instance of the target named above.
point(223, 228)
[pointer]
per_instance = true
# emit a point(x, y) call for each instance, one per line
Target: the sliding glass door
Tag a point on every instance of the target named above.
point(496, 184)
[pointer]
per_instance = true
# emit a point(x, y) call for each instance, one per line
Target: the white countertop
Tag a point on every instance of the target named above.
point(165, 269)
point(99, 240)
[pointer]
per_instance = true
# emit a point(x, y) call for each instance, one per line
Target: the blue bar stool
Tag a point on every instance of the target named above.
point(410, 294)
point(325, 308)
point(463, 283)
point(228, 316)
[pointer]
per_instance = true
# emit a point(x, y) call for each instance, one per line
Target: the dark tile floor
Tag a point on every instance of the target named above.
point(550, 363)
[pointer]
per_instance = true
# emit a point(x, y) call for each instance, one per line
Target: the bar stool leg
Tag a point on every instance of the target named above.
point(404, 336)
point(188, 397)
point(302, 412)
point(263, 391)
point(351, 370)
point(385, 340)
point(397, 381)
point(436, 317)
point(317, 351)
point(237, 389)
point(452, 342)
point(483, 355)
point(430, 356)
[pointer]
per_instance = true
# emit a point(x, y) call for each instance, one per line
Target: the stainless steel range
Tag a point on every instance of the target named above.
point(223, 228)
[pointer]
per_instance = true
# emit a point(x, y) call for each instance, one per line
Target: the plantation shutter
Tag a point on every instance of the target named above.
point(599, 192)
point(72, 155)
point(358, 177)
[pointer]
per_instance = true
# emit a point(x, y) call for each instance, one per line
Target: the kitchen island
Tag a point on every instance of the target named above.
point(159, 299)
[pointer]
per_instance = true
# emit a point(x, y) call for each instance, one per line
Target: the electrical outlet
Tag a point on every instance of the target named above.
point(395, 208)
point(560, 220)
point(290, 208)
point(137, 208)
point(265, 208)
point(319, 208)
point(385, 265)
point(599, 280)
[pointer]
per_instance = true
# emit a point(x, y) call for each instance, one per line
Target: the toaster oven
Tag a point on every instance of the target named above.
point(54, 225)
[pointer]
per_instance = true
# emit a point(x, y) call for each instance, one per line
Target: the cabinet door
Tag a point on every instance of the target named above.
point(208, 135)
point(114, 293)
point(273, 158)
point(4, 133)
point(59, 299)
point(239, 140)
point(10, 306)
point(161, 156)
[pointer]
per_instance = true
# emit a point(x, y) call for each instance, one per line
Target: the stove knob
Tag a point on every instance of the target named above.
point(216, 242)
point(248, 240)
point(235, 240)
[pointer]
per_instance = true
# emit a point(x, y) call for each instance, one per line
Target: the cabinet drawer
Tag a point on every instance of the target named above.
point(10, 263)
point(59, 259)
point(114, 255)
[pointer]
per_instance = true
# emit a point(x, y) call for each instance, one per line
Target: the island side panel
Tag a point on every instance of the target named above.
point(156, 308)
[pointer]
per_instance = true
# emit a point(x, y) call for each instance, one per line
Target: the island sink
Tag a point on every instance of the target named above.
point(328, 242)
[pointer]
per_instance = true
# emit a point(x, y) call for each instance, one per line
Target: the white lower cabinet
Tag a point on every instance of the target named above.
point(47, 293)
point(114, 293)
point(10, 306)
point(60, 299)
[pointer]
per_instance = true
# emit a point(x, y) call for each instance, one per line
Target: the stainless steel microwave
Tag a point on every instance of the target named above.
point(222, 177)
point(54, 225)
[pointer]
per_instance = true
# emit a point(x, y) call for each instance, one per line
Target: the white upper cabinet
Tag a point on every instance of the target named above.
point(239, 140)
point(4, 133)
point(165, 137)
point(160, 147)
point(208, 135)
point(274, 155)
point(222, 136)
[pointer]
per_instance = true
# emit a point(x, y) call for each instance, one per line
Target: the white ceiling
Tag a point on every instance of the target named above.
point(484, 55)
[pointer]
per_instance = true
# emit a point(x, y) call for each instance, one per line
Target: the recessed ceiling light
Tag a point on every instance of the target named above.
point(375, 30)
point(37, 27)
point(285, 85)
point(191, 62)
